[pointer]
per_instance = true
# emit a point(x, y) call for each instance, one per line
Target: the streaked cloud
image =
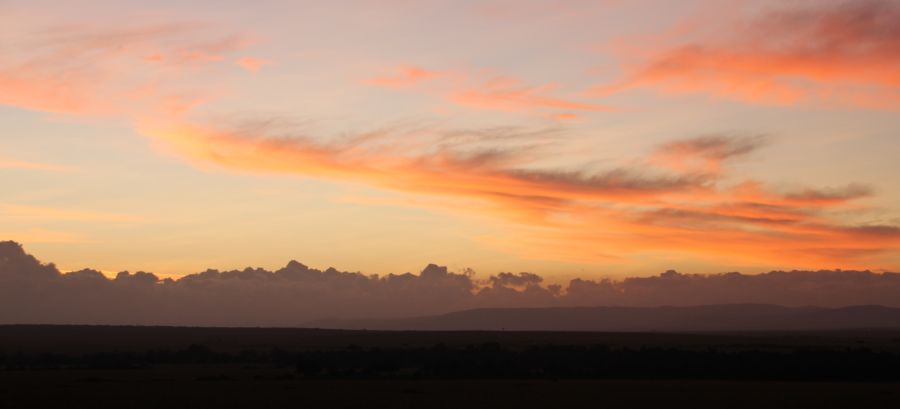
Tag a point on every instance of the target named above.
point(680, 198)
point(421, 167)
point(405, 76)
point(18, 211)
point(830, 195)
point(485, 91)
point(818, 53)
point(567, 215)
point(31, 165)
point(96, 70)
point(704, 154)
point(506, 94)
point(252, 64)
point(42, 236)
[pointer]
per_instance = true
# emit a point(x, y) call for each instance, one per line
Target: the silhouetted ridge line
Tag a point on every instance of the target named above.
point(729, 317)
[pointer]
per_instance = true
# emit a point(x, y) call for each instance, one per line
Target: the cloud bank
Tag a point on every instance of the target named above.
point(33, 292)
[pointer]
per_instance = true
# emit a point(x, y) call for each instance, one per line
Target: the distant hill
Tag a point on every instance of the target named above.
point(728, 317)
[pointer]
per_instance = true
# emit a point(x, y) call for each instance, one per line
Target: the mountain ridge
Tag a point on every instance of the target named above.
point(718, 317)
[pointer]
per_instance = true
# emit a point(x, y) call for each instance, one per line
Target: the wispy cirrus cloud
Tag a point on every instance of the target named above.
point(252, 64)
point(96, 70)
point(819, 53)
point(833, 195)
point(676, 200)
point(487, 92)
point(619, 213)
point(405, 76)
point(32, 165)
point(506, 94)
point(705, 153)
point(369, 158)
point(38, 235)
point(29, 212)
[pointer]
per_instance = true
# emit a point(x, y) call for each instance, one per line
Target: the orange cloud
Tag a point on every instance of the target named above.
point(504, 94)
point(405, 76)
point(618, 214)
point(676, 202)
point(440, 171)
point(86, 70)
point(843, 54)
point(565, 116)
point(36, 235)
point(14, 211)
point(29, 165)
point(703, 154)
point(252, 64)
point(495, 94)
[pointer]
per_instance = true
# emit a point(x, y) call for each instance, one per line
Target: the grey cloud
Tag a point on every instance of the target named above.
point(32, 292)
point(713, 147)
point(835, 194)
point(515, 280)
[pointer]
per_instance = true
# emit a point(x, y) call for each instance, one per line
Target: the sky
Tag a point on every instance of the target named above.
point(564, 138)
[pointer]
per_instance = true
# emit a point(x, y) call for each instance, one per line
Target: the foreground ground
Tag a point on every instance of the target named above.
point(147, 367)
point(254, 388)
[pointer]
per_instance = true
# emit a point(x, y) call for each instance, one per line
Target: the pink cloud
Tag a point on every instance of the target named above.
point(490, 94)
point(30, 165)
point(251, 64)
point(504, 94)
point(822, 54)
point(405, 76)
point(111, 71)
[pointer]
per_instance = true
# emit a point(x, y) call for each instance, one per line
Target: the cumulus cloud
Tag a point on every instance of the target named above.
point(33, 292)
point(515, 280)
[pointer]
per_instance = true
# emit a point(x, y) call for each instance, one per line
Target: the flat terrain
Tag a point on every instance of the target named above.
point(673, 319)
point(169, 367)
point(89, 338)
point(254, 388)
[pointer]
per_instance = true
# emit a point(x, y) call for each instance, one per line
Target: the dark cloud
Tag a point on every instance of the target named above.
point(844, 28)
point(515, 280)
point(714, 147)
point(32, 292)
point(831, 195)
point(705, 154)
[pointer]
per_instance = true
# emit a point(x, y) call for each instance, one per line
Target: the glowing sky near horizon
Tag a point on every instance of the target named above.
point(566, 138)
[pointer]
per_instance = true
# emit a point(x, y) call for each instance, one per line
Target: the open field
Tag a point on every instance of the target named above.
point(86, 338)
point(235, 387)
point(165, 367)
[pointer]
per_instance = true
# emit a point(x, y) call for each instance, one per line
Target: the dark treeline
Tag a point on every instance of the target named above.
point(497, 361)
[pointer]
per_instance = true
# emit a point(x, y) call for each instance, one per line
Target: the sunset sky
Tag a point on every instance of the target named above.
point(565, 138)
